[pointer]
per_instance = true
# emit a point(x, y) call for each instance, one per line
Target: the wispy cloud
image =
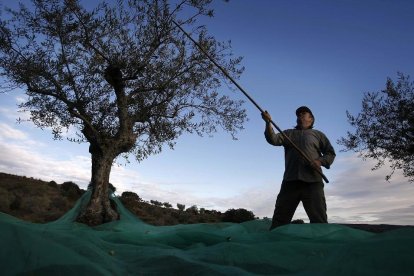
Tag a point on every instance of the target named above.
point(8, 132)
point(358, 194)
point(24, 160)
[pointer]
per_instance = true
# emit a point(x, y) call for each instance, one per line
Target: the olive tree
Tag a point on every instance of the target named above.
point(384, 130)
point(122, 75)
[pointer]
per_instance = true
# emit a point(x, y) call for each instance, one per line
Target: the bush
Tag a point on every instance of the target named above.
point(56, 203)
point(156, 203)
point(180, 207)
point(238, 215)
point(16, 203)
point(193, 210)
point(130, 196)
point(71, 190)
point(52, 184)
point(5, 201)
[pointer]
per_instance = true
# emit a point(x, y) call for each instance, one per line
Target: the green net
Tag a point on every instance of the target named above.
point(131, 247)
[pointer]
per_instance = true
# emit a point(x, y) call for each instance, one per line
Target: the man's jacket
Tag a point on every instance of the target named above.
point(313, 143)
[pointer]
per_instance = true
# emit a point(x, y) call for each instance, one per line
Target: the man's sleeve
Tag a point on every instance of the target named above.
point(273, 138)
point(328, 152)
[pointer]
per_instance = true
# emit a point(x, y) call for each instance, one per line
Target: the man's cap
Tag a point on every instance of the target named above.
point(303, 109)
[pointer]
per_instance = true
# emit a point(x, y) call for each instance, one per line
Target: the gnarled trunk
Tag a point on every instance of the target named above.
point(99, 208)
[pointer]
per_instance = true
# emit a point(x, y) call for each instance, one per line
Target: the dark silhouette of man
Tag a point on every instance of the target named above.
point(301, 181)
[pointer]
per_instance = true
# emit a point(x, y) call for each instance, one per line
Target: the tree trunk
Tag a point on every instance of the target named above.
point(99, 209)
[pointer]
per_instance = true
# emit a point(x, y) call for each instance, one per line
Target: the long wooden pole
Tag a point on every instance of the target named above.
point(253, 101)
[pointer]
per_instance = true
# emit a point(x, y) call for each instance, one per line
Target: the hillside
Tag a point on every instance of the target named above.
point(39, 201)
point(36, 200)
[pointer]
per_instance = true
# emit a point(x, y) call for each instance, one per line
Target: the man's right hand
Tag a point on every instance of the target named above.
point(266, 117)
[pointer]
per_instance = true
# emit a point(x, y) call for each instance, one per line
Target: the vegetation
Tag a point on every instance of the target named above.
point(39, 201)
point(122, 75)
point(36, 200)
point(238, 215)
point(384, 130)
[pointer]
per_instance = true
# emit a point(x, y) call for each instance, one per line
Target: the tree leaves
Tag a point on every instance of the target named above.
point(119, 70)
point(384, 130)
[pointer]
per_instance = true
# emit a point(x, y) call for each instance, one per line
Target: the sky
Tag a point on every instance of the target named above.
point(322, 54)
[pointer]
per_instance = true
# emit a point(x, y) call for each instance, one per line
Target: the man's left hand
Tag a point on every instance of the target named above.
point(317, 165)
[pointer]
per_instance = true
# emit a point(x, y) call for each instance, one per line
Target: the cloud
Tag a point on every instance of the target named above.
point(355, 194)
point(403, 216)
point(23, 160)
point(8, 132)
point(22, 155)
point(21, 99)
point(12, 114)
point(345, 201)
point(358, 194)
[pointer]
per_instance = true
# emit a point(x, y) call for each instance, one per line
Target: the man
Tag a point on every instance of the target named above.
point(301, 181)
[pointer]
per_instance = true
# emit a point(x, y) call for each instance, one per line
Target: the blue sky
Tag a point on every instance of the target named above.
point(323, 54)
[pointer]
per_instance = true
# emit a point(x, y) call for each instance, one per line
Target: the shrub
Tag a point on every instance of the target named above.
point(17, 202)
point(5, 201)
point(156, 203)
point(52, 184)
point(238, 215)
point(180, 207)
point(130, 196)
point(56, 203)
point(71, 190)
point(193, 209)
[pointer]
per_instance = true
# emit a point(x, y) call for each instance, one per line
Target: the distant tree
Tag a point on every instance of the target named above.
point(167, 205)
point(131, 196)
point(238, 215)
point(156, 203)
point(70, 189)
point(53, 184)
point(122, 75)
point(193, 209)
point(180, 207)
point(384, 130)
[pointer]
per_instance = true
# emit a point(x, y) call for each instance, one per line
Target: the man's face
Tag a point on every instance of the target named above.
point(305, 120)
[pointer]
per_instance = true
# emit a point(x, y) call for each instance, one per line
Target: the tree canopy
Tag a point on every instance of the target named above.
point(384, 129)
point(118, 67)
